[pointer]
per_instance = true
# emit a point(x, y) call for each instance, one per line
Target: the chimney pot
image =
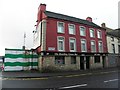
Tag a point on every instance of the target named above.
point(103, 25)
point(89, 19)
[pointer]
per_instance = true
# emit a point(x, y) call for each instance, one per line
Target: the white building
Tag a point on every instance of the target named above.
point(113, 44)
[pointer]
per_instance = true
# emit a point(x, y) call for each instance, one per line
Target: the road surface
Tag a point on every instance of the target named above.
point(106, 79)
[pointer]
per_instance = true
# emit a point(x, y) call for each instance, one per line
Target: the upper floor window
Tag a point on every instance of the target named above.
point(60, 43)
point(100, 46)
point(112, 38)
point(71, 29)
point(92, 33)
point(72, 44)
point(93, 48)
point(113, 48)
point(118, 48)
point(99, 34)
point(60, 27)
point(83, 45)
point(82, 31)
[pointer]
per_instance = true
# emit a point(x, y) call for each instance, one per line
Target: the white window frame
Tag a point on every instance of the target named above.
point(99, 34)
point(71, 38)
point(58, 27)
point(113, 48)
point(85, 45)
point(63, 43)
point(91, 45)
point(93, 33)
point(99, 46)
point(84, 30)
point(69, 29)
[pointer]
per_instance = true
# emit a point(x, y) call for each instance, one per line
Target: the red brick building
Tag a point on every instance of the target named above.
point(68, 43)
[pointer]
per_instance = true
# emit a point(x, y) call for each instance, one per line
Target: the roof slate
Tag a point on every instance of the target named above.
point(115, 33)
point(70, 18)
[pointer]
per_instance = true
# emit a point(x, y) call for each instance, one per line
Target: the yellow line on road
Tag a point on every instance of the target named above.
point(77, 75)
point(24, 78)
point(59, 76)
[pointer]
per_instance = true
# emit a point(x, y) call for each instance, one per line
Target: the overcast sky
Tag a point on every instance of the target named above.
point(19, 16)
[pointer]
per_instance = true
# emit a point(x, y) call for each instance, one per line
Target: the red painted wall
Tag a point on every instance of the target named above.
point(51, 36)
point(51, 33)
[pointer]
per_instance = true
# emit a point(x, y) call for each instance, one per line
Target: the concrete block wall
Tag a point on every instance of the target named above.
point(49, 62)
point(94, 65)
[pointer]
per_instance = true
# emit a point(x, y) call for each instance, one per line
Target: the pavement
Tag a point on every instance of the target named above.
point(34, 74)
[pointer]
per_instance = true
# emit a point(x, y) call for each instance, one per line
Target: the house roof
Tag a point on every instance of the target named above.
point(70, 18)
point(115, 33)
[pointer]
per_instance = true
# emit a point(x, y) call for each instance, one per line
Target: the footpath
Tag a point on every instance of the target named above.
point(35, 74)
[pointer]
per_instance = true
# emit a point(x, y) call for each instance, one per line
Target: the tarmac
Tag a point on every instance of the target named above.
point(34, 74)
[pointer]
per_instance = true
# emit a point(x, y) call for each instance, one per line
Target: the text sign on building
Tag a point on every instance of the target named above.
point(51, 48)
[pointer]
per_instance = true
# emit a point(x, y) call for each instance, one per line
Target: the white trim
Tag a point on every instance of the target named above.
point(74, 29)
point(63, 26)
point(91, 45)
point(85, 45)
point(20, 60)
point(74, 44)
point(98, 46)
point(14, 52)
point(80, 30)
point(94, 32)
point(11, 68)
point(63, 43)
point(100, 33)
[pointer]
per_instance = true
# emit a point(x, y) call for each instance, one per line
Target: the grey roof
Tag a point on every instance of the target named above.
point(70, 18)
point(115, 33)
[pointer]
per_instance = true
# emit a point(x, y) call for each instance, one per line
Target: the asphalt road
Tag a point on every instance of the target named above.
point(108, 79)
point(0, 81)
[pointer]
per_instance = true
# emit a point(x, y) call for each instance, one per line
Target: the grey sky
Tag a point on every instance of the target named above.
point(19, 16)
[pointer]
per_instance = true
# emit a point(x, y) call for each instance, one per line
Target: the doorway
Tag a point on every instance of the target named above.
point(103, 61)
point(82, 62)
point(87, 62)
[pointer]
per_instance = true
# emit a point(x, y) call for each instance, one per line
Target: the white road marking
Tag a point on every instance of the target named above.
point(73, 86)
point(108, 72)
point(111, 80)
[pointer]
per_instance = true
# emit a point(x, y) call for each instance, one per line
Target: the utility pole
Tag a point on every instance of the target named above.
point(24, 41)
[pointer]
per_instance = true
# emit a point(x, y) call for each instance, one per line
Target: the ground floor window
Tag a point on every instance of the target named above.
point(59, 60)
point(97, 59)
point(73, 59)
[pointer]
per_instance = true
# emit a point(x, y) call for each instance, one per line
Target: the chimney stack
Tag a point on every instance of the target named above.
point(89, 19)
point(103, 25)
point(42, 7)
